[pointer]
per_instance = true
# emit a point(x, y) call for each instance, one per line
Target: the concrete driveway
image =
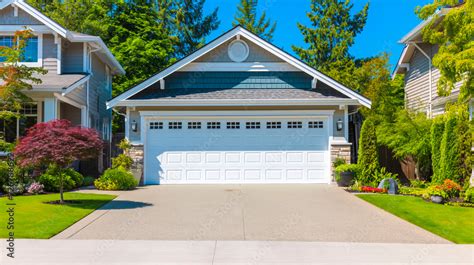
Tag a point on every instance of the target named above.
point(245, 212)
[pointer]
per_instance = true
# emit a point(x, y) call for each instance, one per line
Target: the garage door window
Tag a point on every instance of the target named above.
point(194, 125)
point(273, 125)
point(315, 124)
point(295, 125)
point(174, 125)
point(252, 125)
point(213, 125)
point(156, 125)
point(233, 125)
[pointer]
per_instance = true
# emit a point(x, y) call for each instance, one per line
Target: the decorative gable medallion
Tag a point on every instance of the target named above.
point(238, 51)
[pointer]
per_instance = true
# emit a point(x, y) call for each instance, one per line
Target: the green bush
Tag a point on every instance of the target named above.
point(70, 173)
point(455, 157)
point(379, 175)
point(355, 168)
point(123, 161)
point(338, 161)
point(51, 182)
point(116, 179)
point(4, 171)
point(88, 181)
point(434, 191)
point(437, 129)
point(368, 158)
point(418, 183)
point(469, 195)
point(411, 191)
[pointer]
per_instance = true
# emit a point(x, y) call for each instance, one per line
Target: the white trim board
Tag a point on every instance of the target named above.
point(239, 67)
point(239, 31)
point(237, 102)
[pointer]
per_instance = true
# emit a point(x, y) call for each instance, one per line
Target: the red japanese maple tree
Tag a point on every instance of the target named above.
point(57, 143)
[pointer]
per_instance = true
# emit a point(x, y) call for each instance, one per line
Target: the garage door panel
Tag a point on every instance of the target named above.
point(276, 155)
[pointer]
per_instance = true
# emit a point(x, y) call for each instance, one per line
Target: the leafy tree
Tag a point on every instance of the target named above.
point(192, 26)
point(57, 144)
point(247, 17)
point(15, 79)
point(454, 34)
point(409, 136)
point(368, 152)
point(372, 78)
point(332, 32)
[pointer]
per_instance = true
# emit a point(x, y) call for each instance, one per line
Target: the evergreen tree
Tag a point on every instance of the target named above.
point(192, 26)
point(368, 154)
point(246, 16)
point(331, 34)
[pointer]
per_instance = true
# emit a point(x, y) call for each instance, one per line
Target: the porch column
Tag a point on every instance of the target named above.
point(50, 111)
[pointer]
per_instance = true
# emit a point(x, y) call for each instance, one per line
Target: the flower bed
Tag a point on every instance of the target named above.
point(372, 189)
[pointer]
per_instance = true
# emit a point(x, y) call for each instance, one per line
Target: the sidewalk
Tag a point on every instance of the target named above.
point(231, 252)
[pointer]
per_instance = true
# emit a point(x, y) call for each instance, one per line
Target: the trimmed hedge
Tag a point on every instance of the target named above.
point(455, 149)
point(116, 179)
point(437, 130)
point(368, 158)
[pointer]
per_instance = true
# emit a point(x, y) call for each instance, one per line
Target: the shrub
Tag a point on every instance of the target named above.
point(437, 129)
point(116, 179)
point(469, 195)
point(338, 161)
point(124, 161)
point(88, 181)
point(35, 188)
point(51, 182)
point(17, 188)
point(451, 188)
point(418, 183)
point(411, 191)
point(70, 173)
point(455, 149)
point(368, 153)
point(4, 172)
point(347, 168)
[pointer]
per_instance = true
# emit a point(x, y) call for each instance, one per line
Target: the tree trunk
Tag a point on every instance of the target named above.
point(61, 184)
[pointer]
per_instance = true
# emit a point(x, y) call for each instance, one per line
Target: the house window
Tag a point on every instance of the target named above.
point(252, 125)
point(30, 52)
point(194, 125)
point(156, 125)
point(315, 124)
point(175, 125)
point(273, 124)
point(295, 124)
point(213, 125)
point(10, 130)
point(233, 125)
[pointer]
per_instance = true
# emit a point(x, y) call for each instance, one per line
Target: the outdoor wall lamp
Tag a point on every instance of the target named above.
point(339, 125)
point(134, 126)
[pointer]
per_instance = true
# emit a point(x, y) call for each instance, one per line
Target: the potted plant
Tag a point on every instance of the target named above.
point(435, 194)
point(346, 174)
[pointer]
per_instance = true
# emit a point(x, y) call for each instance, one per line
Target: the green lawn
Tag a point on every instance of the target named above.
point(36, 219)
point(453, 223)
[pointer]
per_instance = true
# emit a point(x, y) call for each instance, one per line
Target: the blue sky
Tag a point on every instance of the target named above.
point(388, 22)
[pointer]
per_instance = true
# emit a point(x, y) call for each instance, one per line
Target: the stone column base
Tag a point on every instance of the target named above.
point(137, 155)
point(342, 150)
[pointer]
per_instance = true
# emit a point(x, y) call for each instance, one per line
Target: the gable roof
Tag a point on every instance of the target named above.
point(240, 31)
point(67, 34)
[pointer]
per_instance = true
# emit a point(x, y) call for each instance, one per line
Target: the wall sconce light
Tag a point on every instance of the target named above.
point(134, 126)
point(339, 125)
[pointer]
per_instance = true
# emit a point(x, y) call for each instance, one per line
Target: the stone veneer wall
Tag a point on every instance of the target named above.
point(137, 154)
point(340, 150)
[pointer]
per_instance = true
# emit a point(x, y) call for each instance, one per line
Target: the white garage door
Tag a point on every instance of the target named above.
point(237, 150)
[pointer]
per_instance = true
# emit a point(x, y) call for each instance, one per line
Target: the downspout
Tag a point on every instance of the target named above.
point(430, 105)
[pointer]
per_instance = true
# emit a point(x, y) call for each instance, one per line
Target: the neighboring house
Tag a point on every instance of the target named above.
point(79, 79)
point(238, 110)
point(421, 78)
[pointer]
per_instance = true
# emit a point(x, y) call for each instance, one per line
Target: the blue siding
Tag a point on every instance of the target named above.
point(226, 80)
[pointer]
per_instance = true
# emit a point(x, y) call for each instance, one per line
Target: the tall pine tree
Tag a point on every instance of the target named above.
point(331, 34)
point(246, 16)
point(193, 26)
